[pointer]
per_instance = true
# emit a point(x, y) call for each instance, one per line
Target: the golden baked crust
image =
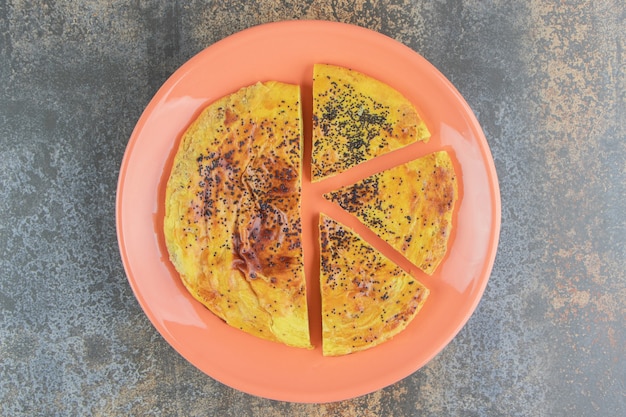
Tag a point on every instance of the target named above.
point(366, 299)
point(232, 212)
point(409, 206)
point(356, 118)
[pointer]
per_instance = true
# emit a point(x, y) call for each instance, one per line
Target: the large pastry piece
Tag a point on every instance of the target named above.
point(232, 212)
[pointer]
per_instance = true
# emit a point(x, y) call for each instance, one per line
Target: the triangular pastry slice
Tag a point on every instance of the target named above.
point(366, 298)
point(357, 118)
point(409, 206)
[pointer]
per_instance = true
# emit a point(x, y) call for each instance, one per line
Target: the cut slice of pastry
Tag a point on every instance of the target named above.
point(232, 212)
point(356, 118)
point(366, 298)
point(409, 206)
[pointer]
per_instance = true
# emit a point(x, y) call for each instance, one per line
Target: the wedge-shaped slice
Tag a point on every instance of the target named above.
point(366, 298)
point(232, 212)
point(356, 118)
point(409, 206)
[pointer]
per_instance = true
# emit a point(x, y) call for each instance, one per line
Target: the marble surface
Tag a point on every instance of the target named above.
point(546, 80)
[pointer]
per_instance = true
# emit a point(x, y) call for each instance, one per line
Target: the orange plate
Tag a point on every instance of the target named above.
point(286, 51)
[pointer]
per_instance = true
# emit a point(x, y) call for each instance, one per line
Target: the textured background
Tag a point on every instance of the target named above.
point(546, 80)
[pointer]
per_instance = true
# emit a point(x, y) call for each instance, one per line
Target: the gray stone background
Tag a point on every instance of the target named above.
point(546, 80)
